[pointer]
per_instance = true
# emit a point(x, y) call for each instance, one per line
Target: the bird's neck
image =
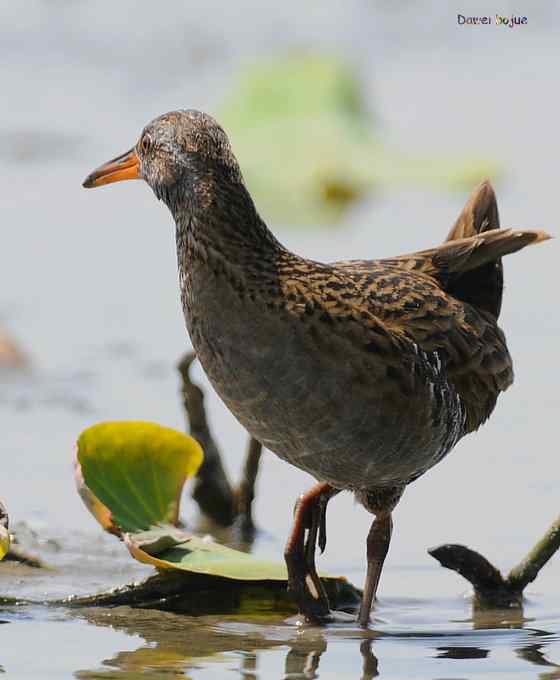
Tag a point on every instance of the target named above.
point(218, 226)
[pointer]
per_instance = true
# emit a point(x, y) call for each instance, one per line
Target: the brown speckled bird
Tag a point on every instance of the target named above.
point(364, 373)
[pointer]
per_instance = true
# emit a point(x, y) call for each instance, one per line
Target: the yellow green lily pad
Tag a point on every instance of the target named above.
point(169, 548)
point(131, 473)
point(130, 476)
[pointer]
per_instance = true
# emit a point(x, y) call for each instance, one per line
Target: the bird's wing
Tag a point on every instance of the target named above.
point(414, 289)
point(445, 300)
point(412, 296)
point(392, 312)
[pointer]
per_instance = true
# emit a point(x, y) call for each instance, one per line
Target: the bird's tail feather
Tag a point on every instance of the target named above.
point(479, 214)
point(467, 254)
point(469, 263)
point(479, 274)
point(453, 259)
point(482, 287)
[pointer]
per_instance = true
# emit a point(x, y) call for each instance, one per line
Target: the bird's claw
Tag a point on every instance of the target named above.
point(310, 596)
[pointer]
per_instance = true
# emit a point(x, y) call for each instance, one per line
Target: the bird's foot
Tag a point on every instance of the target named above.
point(309, 529)
point(303, 581)
point(309, 594)
point(363, 619)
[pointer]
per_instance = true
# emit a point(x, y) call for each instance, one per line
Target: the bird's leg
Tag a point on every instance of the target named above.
point(378, 541)
point(322, 519)
point(317, 535)
point(303, 581)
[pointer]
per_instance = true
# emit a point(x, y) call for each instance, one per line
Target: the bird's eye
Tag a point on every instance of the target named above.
point(146, 143)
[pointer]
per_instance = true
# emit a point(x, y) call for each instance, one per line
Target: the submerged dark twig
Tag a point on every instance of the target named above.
point(212, 490)
point(199, 593)
point(246, 488)
point(490, 587)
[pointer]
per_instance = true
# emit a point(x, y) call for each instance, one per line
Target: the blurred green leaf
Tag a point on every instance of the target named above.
point(308, 145)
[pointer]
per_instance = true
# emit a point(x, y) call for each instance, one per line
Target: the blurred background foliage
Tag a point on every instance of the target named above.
point(310, 147)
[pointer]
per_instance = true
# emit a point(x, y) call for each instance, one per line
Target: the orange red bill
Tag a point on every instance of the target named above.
point(126, 166)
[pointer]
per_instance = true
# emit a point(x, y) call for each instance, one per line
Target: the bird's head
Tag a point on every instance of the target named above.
point(177, 154)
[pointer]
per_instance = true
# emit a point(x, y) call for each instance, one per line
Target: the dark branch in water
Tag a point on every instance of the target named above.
point(213, 491)
point(527, 570)
point(490, 587)
point(197, 593)
point(246, 488)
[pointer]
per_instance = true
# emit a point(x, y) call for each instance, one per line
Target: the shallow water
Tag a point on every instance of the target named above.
point(89, 288)
point(408, 638)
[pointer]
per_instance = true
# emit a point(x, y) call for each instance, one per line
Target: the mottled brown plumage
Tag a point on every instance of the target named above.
point(363, 373)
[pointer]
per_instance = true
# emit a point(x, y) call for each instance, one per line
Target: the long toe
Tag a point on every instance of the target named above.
point(307, 590)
